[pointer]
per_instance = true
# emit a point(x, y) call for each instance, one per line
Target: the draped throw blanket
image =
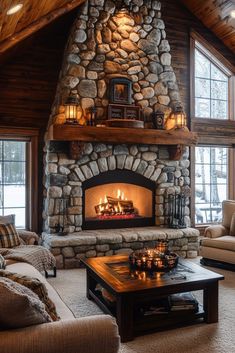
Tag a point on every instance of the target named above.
point(36, 255)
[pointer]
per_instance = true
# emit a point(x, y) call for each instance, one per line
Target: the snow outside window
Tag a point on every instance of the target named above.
point(211, 88)
point(211, 183)
point(13, 180)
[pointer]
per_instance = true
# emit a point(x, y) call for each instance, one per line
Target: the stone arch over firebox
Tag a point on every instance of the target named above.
point(115, 177)
point(65, 177)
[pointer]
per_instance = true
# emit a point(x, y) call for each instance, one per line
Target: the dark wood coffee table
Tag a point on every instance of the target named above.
point(134, 289)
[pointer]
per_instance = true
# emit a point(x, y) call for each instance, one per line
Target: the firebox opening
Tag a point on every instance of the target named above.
point(115, 201)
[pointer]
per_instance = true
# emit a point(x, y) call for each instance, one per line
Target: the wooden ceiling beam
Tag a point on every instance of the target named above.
point(37, 25)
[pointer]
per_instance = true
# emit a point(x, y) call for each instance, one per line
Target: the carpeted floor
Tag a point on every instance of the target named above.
point(200, 338)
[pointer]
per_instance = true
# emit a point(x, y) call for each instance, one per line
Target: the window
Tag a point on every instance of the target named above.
point(211, 88)
point(13, 180)
point(211, 183)
point(212, 111)
point(19, 176)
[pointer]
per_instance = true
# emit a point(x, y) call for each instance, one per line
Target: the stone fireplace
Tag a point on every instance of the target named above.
point(111, 185)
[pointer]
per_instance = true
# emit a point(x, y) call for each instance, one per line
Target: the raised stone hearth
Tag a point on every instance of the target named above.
point(70, 249)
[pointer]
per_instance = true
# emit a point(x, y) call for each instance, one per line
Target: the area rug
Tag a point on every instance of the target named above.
point(200, 338)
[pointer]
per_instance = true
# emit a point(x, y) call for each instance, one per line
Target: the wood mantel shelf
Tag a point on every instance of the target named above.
point(121, 135)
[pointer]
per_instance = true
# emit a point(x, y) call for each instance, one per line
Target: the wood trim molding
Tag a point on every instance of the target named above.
point(40, 23)
point(214, 131)
point(196, 36)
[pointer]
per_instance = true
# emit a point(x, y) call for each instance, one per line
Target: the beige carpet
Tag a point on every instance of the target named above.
point(200, 338)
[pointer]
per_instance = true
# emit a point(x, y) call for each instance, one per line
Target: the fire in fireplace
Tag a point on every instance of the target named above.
point(118, 207)
point(118, 199)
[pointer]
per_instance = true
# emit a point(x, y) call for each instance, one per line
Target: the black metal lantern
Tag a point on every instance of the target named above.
point(158, 120)
point(93, 112)
point(71, 106)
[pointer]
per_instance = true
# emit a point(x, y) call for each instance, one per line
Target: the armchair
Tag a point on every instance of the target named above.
point(217, 248)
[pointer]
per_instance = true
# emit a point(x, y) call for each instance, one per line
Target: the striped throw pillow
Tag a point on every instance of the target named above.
point(9, 237)
point(37, 287)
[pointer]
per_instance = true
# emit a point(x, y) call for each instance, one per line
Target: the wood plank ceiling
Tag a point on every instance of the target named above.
point(36, 14)
point(33, 16)
point(210, 13)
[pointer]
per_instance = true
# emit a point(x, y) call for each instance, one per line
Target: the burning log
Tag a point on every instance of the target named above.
point(115, 206)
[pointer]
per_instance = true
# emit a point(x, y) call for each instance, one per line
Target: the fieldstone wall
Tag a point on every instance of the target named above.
point(64, 178)
point(106, 43)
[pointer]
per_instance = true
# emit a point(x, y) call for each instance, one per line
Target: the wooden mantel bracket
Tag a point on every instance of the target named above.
point(176, 152)
point(76, 149)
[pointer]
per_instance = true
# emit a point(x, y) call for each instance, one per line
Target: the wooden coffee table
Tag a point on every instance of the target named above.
point(133, 289)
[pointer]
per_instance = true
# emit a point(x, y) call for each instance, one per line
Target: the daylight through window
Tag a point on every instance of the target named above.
point(211, 89)
point(211, 183)
point(13, 180)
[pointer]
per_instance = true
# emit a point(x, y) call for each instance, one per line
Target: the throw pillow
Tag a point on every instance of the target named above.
point(7, 219)
point(37, 287)
point(232, 225)
point(9, 237)
point(2, 262)
point(19, 306)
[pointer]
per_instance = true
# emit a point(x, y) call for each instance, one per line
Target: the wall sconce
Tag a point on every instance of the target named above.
point(71, 106)
point(177, 119)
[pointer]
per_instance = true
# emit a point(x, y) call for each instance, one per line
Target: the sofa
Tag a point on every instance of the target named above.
point(68, 335)
point(218, 245)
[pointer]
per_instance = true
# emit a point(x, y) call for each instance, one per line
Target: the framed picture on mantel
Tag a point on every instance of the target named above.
point(120, 90)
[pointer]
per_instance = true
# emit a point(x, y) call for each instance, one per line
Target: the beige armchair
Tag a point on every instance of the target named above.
point(218, 246)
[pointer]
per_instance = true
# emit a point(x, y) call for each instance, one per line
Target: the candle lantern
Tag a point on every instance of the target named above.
point(177, 119)
point(180, 118)
point(162, 246)
point(71, 107)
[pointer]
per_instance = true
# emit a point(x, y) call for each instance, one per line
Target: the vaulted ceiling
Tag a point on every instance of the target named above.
point(212, 14)
point(36, 14)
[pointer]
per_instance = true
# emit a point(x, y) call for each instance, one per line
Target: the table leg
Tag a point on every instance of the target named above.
point(125, 318)
point(90, 284)
point(210, 302)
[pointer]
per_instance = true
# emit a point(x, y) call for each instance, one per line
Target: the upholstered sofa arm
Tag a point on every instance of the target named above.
point(216, 231)
point(29, 238)
point(85, 335)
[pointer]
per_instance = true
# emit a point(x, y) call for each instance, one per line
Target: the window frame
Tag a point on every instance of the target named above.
point(31, 137)
point(212, 132)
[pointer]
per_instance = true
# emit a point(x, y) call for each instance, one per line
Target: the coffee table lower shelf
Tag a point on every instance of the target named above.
point(156, 322)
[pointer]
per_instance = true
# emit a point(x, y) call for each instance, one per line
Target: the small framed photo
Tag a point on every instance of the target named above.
point(120, 90)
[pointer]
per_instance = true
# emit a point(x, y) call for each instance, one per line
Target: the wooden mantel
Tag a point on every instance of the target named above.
point(121, 135)
point(77, 135)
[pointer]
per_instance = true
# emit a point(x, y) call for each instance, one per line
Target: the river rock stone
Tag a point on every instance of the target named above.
point(87, 88)
point(106, 35)
point(160, 88)
point(147, 92)
point(128, 46)
point(165, 59)
point(80, 36)
point(111, 67)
